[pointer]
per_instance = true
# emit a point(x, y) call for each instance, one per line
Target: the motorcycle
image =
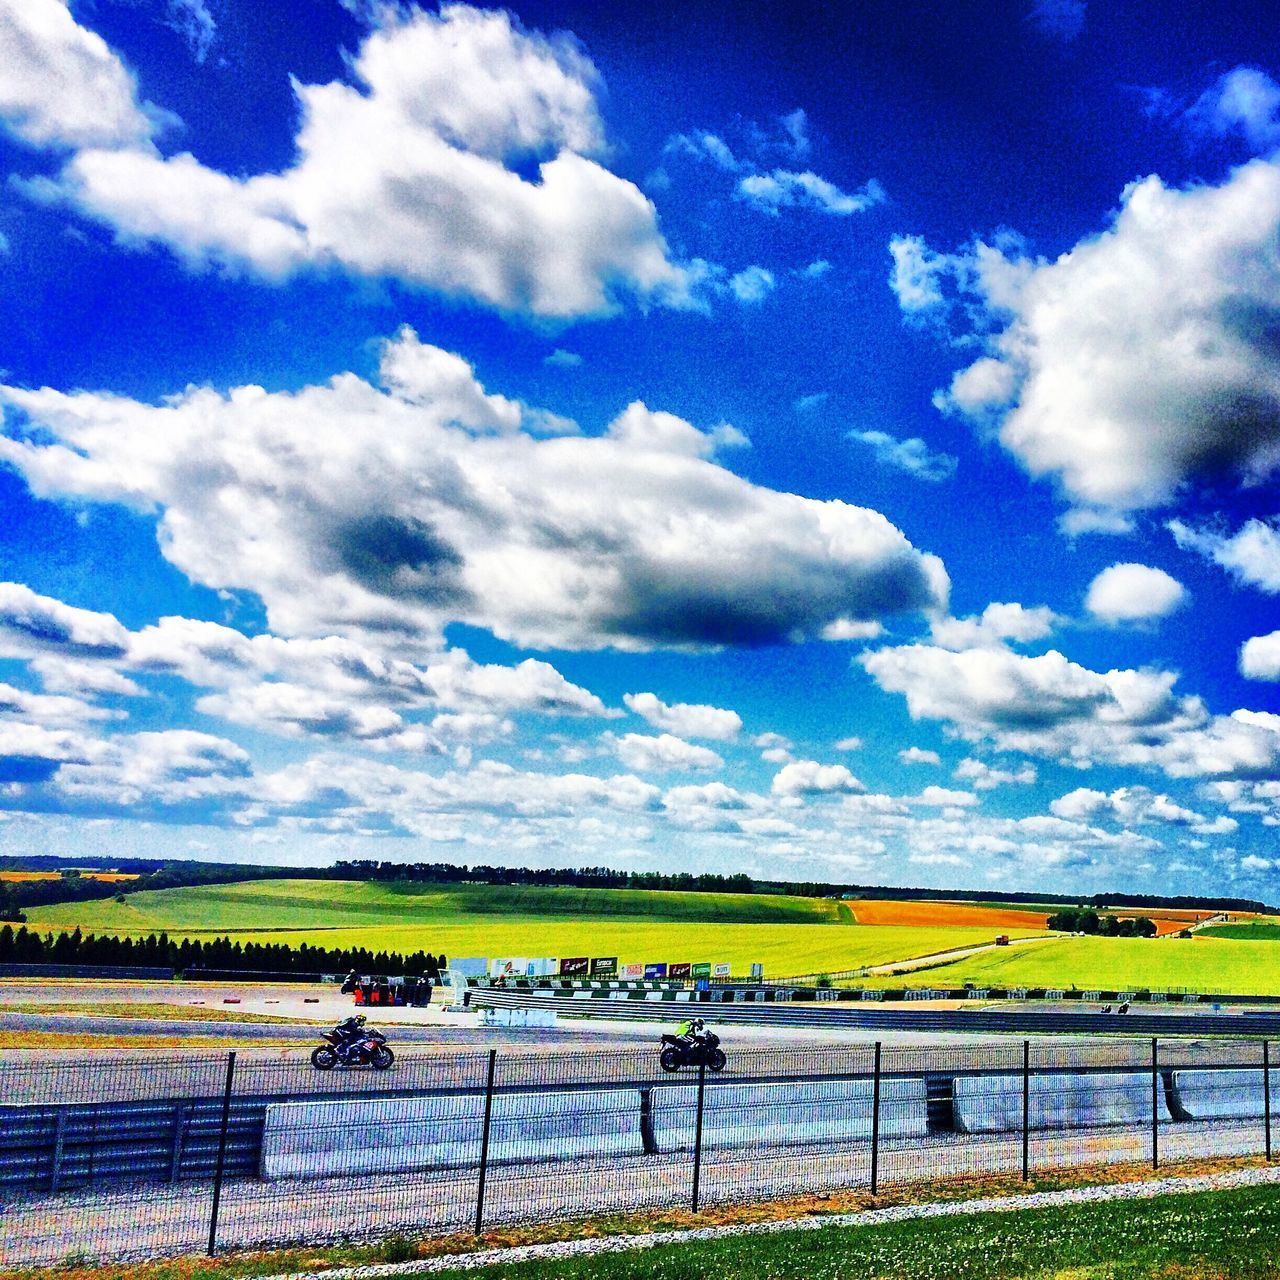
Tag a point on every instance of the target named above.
point(369, 1048)
point(682, 1051)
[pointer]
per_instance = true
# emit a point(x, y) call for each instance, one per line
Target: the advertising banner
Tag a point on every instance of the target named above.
point(515, 967)
point(471, 966)
point(604, 967)
point(633, 971)
point(757, 971)
point(678, 970)
point(655, 971)
point(575, 967)
point(700, 970)
point(721, 970)
point(543, 967)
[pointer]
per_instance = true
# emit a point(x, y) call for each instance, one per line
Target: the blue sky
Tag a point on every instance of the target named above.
point(831, 442)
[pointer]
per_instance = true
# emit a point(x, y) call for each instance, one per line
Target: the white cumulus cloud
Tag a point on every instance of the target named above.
point(1133, 593)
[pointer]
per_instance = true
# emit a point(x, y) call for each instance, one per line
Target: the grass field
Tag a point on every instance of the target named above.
point(1200, 963)
point(332, 904)
point(1247, 931)
point(787, 935)
point(1226, 1235)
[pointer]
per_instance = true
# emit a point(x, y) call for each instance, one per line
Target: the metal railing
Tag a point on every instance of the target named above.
point(132, 1155)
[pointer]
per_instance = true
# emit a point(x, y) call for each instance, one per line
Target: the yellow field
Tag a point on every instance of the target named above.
point(1114, 964)
point(783, 949)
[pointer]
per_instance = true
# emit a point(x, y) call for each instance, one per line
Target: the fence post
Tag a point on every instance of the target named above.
point(1026, 1110)
point(1155, 1103)
point(222, 1152)
point(697, 1132)
point(1266, 1090)
point(875, 1125)
point(484, 1140)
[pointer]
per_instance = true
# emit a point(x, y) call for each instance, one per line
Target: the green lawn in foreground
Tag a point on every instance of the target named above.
point(1200, 963)
point(1226, 1235)
point(326, 904)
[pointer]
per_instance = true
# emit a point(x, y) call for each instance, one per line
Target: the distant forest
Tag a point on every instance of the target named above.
point(155, 874)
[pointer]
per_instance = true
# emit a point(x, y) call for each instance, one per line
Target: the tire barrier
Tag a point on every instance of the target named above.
point(993, 1104)
point(443, 1131)
point(771, 1115)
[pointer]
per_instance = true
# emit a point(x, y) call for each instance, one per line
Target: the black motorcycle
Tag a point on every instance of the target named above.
point(368, 1048)
point(692, 1051)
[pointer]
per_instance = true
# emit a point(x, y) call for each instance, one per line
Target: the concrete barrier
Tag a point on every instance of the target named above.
point(517, 1017)
point(1222, 1095)
point(747, 1115)
point(442, 1131)
point(993, 1104)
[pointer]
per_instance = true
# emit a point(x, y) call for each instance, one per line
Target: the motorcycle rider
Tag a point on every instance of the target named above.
point(690, 1030)
point(348, 1031)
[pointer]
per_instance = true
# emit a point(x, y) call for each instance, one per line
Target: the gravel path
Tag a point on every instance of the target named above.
point(994, 1204)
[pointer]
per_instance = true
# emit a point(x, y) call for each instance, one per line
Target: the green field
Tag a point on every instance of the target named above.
point(1199, 963)
point(1223, 1235)
point(346, 904)
point(787, 935)
point(1247, 931)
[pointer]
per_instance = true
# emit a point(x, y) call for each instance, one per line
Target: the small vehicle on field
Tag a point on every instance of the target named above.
point(691, 1046)
point(352, 1044)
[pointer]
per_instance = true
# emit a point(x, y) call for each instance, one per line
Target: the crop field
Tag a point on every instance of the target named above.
point(1260, 930)
point(1200, 963)
point(21, 877)
point(992, 916)
point(345, 904)
point(787, 935)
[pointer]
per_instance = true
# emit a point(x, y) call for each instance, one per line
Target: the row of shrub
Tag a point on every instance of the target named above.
point(27, 946)
point(1086, 920)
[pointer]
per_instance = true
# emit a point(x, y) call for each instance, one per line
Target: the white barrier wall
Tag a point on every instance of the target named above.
point(502, 1017)
point(389, 1135)
point(744, 1115)
point(993, 1104)
point(1223, 1095)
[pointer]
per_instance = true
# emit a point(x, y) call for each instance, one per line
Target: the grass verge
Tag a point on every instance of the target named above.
point(743, 1258)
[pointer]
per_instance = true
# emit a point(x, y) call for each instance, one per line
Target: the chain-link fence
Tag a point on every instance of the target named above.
point(129, 1155)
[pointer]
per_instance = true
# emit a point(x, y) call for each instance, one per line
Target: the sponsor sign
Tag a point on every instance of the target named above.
point(655, 971)
point(575, 967)
point(757, 971)
point(471, 966)
point(702, 970)
point(633, 971)
point(679, 970)
point(721, 970)
point(604, 967)
point(516, 967)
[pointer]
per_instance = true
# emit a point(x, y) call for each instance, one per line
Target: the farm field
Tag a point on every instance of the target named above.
point(22, 877)
point(1265, 929)
point(332, 904)
point(885, 911)
point(787, 935)
point(1200, 963)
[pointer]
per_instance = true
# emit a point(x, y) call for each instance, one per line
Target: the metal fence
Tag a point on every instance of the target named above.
point(131, 1155)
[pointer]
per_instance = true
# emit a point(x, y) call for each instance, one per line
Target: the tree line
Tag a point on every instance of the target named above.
point(1086, 920)
point(159, 951)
